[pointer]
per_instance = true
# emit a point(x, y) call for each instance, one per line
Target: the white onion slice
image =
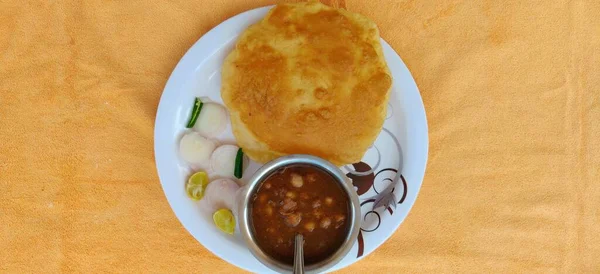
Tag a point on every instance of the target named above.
point(220, 193)
point(212, 120)
point(222, 161)
point(196, 150)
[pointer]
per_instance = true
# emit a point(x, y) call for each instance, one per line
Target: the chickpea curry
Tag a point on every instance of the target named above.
point(300, 199)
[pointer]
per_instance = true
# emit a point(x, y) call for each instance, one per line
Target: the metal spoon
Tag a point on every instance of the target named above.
point(299, 254)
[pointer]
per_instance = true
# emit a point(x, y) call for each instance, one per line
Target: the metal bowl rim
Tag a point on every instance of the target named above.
point(266, 170)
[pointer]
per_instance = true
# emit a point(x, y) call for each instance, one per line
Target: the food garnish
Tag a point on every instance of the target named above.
point(212, 121)
point(224, 220)
point(195, 112)
point(196, 185)
point(239, 164)
point(196, 149)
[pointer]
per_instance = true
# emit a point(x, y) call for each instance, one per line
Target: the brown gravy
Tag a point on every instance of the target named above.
point(300, 199)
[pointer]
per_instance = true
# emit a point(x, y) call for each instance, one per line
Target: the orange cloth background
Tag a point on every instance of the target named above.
point(512, 94)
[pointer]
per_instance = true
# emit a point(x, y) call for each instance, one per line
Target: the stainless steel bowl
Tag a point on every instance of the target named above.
point(245, 218)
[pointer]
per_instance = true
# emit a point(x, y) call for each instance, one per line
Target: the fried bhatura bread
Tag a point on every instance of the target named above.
point(307, 79)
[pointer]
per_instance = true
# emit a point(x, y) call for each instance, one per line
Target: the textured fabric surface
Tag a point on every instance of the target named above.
point(511, 90)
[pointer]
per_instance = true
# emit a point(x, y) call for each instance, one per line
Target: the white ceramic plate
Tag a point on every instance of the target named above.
point(401, 147)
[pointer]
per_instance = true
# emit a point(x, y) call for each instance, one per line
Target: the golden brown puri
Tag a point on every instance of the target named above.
point(307, 79)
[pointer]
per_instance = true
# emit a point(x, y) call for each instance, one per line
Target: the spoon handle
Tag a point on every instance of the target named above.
point(299, 254)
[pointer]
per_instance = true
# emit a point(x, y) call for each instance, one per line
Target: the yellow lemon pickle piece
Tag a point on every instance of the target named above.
point(224, 220)
point(196, 185)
